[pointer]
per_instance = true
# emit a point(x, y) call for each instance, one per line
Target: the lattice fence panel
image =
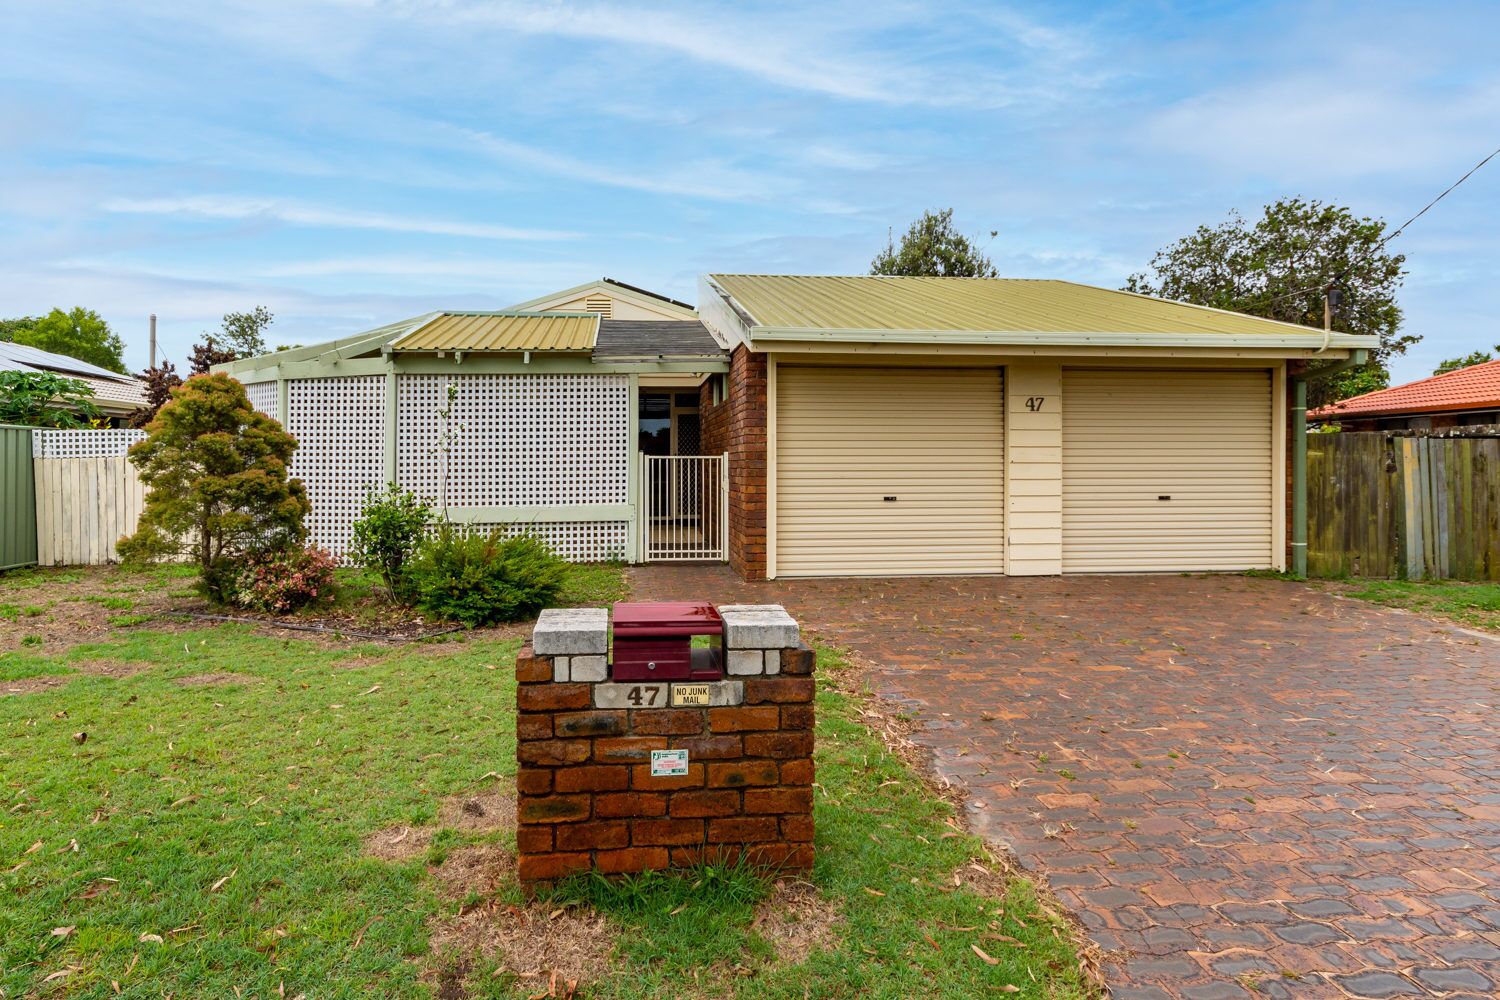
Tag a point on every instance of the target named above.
point(263, 398)
point(520, 440)
point(83, 444)
point(339, 424)
point(575, 541)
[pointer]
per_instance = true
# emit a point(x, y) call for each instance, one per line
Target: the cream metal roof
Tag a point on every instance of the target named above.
point(1000, 310)
point(503, 331)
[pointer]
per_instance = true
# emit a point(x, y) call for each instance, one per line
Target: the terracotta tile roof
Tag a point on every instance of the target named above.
point(1474, 388)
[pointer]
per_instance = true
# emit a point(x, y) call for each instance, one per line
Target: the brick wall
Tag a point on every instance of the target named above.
point(738, 426)
point(586, 797)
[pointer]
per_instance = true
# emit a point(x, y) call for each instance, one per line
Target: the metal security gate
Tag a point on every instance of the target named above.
point(685, 507)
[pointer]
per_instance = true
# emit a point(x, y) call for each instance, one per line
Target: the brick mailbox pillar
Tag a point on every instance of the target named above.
point(628, 776)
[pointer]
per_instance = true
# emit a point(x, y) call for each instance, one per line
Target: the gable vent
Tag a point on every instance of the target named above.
point(601, 304)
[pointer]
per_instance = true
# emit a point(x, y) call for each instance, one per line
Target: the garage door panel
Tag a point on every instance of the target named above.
point(1202, 438)
point(846, 438)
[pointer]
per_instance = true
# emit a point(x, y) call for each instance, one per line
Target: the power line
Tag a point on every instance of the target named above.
point(1393, 234)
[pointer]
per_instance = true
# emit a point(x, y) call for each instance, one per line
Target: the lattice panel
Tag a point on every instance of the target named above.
point(520, 440)
point(263, 398)
point(83, 444)
point(339, 424)
point(575, 541)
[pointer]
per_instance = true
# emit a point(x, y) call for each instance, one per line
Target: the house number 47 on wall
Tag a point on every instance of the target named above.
point(1034, 403)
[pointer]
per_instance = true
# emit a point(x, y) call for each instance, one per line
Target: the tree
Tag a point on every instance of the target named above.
point(160, 381)
point(934, 248)
point(1477, 358)
point(79, 333)
point(244, 333)
point(42, 399)
point(207, 354)
point(218, 490)
point(18, 324)
point(1279, 267)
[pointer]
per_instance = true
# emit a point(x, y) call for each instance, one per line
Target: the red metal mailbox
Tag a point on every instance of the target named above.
point(654, 642)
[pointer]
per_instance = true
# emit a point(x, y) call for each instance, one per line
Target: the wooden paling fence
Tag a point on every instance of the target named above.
point(1403, 507)
point(87, 495)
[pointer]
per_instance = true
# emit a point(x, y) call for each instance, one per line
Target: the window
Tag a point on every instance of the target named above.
point(656, 423)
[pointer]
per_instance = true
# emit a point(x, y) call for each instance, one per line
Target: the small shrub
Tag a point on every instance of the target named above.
point(285, 581)
point(484, 579)
point(387, 535)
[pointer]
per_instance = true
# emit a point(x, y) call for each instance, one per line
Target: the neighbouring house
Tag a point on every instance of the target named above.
point(117, 396)
point(825, 426)
point(1464, 397)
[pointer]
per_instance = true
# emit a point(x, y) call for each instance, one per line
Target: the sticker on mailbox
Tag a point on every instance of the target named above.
point(669, 763)
point(691, 695)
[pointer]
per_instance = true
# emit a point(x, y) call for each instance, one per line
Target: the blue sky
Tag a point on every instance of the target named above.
point(346, 164)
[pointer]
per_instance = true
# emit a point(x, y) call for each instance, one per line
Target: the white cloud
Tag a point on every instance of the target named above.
point(302, 214)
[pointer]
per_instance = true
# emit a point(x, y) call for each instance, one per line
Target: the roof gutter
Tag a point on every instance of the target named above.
point(1316, 339)
point(1299, 452)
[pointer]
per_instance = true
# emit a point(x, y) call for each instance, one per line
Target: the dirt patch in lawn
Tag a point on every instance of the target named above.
point(31, 685)
point(475, 870)
point(398, 843)
point(71, 605)
point(486, 812)
point(218, 678)
point(111, 667)
point(550, 950)
point(796, 921)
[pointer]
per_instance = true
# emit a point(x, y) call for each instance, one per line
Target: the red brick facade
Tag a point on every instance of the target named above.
point(586, 798)
point(738, 426)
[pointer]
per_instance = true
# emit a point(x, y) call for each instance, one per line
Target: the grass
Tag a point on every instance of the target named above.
point(1476, 605)
point(228, 821)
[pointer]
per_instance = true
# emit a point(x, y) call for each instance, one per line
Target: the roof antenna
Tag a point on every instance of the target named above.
point(153, 340)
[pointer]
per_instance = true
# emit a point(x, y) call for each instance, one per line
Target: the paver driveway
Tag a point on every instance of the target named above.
point(1244, 784)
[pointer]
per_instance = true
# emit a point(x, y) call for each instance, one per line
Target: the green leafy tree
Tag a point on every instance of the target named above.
point(245, 332)
point(1477, 358)
point(387, 535)
point(219, 494)
point(1280, 266)
point(933, 247)
point(79, 333)
point(18, 324)
point(42, 399)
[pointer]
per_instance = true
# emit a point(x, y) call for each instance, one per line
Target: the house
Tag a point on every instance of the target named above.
point(117, 396)
point(1464, 397)
point(912, 425)
point(825, 426)
point(551, 412)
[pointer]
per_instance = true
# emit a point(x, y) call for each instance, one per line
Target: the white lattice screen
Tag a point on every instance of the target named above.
point(263, 398)
point(339, 424)
point(521, 440)
point(575, 541)
point(83, 444)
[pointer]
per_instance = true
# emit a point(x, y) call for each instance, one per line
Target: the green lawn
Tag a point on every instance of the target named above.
point(208, 838)
point(1475, 605)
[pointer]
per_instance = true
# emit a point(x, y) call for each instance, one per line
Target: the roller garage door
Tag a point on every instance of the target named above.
point(1166, 470)
point(889, 471)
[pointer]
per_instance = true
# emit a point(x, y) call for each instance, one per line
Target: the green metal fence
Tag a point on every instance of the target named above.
point(17, 498)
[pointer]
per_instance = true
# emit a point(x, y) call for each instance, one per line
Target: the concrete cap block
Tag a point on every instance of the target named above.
point(571, 632)
point(758, 626)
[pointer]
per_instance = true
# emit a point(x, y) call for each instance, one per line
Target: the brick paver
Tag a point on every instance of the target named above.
point(1247, 787)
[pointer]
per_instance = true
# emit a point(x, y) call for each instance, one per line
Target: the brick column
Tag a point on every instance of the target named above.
point(587, 795)
point(738, 426)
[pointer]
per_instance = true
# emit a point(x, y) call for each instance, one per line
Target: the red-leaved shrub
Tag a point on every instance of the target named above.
point(286, 581)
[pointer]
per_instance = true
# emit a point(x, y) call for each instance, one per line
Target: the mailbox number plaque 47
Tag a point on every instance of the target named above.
point(659, 696)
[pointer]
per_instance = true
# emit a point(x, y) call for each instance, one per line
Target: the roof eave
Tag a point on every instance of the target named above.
point(1030, 338)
